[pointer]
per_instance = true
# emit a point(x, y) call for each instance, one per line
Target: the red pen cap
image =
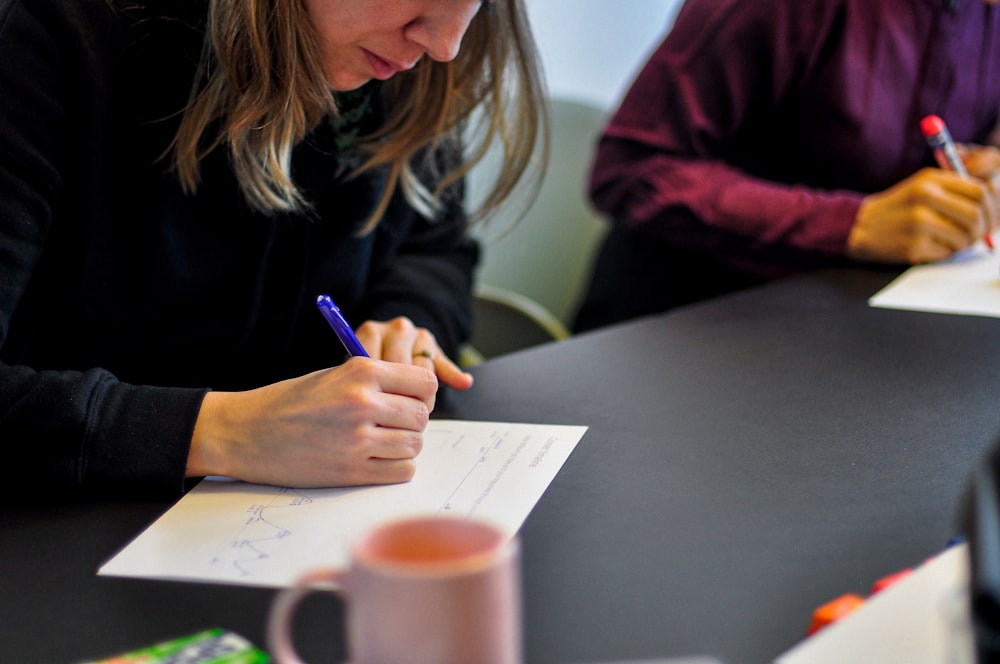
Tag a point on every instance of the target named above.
point(931, 125)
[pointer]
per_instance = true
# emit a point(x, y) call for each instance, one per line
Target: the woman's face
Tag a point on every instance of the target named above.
point(366, 39)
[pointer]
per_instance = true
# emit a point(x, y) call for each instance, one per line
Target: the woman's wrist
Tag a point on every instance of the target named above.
point(206, 455)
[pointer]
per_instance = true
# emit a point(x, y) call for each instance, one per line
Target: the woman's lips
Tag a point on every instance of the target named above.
point(382, 68)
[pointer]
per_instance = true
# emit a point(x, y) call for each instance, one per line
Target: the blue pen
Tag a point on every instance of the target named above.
point(344, 332)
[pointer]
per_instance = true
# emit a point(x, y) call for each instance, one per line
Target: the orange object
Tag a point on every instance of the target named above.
point(887, 581)
point(833, 611)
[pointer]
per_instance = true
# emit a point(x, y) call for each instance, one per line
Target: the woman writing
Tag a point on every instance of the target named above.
point(180, 180)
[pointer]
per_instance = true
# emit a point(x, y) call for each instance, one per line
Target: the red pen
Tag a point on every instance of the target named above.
point(945, 152)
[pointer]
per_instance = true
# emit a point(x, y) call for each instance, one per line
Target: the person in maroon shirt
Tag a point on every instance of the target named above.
point(766, 138)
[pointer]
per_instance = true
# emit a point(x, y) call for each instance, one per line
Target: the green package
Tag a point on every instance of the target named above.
point(213, 646)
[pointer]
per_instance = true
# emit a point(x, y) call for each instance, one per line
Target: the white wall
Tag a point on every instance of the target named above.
point(591, 49)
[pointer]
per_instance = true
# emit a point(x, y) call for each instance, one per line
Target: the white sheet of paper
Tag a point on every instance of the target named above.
point(239, 533)
point(968, 284)
point(921, 619)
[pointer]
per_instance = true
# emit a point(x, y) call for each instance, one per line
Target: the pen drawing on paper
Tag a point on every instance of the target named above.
point(263, 526)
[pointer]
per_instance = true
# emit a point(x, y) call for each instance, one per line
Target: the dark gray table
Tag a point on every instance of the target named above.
point(747, 460)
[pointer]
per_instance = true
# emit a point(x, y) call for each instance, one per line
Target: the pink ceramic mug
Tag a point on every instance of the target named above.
point(434, 590)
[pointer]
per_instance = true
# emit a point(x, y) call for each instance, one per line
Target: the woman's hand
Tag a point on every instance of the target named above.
point(400, 341)
point(926, 217)
point(359, 423)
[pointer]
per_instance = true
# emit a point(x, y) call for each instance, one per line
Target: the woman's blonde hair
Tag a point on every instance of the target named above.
point(262, 89)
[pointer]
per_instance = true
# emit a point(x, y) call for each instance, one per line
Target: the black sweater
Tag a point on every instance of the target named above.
point(122, 300)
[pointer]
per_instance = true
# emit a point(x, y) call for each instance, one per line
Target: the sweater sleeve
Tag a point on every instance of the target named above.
point(669, 161)
point(81, 432)
point(87, 435)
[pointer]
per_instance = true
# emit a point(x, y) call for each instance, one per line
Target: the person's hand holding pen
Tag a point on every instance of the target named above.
point(935, 212)
point(359, 423)
point(925, 218)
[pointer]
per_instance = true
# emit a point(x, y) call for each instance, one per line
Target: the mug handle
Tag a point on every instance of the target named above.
point(279, 631)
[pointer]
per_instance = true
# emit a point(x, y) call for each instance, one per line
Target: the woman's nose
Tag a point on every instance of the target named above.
point(440, 28)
